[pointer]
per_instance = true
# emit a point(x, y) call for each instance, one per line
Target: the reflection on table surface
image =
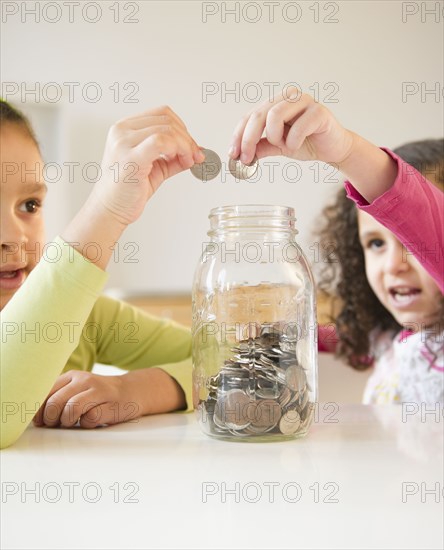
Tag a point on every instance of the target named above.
point(365, 477)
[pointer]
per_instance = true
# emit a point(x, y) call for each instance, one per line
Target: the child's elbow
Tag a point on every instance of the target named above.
point(9, 433)
point(7, 441)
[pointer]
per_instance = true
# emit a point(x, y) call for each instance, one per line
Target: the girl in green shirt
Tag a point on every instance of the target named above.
point(53, 319)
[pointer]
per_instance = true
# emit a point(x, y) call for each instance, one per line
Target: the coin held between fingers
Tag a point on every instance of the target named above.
point(243, 171)
point(209, 168)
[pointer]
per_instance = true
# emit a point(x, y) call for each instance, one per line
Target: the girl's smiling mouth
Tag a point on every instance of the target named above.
point(404, 296)
point(11, 279)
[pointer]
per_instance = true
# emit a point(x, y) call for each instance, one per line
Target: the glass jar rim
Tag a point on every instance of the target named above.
point(252, 211)
point(266, 217)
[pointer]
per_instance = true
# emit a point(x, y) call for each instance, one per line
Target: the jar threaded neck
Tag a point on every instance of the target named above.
point(252, 217)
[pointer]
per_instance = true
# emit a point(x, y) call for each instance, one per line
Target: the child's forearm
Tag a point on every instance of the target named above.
point(154, 391)
point(140, 153)
point(371, 171)
point(94, 232)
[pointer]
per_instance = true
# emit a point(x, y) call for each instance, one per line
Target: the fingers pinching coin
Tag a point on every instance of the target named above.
point(243, 171)
point(211, 166)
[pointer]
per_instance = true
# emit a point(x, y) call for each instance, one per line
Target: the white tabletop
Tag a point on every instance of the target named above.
point(364, 477)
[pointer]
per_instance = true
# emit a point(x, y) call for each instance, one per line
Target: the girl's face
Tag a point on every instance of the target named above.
point(399, 281)
point(22, 192)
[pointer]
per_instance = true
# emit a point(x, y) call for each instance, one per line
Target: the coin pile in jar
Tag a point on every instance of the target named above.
point(262, 388)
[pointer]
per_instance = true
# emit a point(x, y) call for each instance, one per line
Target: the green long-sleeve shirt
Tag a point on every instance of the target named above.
point(58, 321)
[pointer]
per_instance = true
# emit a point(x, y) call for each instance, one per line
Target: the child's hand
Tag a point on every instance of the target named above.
point(140, 153)
point(93, 399)
point(295, 126)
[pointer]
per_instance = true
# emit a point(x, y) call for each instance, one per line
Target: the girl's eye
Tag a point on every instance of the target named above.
point(375, 244)
point(32, 206)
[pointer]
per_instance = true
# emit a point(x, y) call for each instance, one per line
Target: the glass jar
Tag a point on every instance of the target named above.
point(254, 327)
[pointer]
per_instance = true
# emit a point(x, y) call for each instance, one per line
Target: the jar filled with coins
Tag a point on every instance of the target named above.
point(254, 327)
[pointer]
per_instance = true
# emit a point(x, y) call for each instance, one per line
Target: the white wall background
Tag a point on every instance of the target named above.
point(170, 53)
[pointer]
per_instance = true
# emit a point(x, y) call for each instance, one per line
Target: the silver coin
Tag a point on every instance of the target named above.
point(261, 388)
point(243, 171)
point(266, 413)
point(304, 399)
point(295, 378)
point(257, 430)
point(232, 410)
point(307, 416)
point(266, 393)
point(290, 422)
point(207, 418)
point(209, 168)
point(285, 397)
point(288, 346)
point(302, 353)
point(294, 399)
point(275, 352)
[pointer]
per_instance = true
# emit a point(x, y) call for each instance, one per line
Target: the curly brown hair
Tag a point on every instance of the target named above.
point(342, 274)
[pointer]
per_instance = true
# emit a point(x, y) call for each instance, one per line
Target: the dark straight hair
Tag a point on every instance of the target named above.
point(11, 115)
